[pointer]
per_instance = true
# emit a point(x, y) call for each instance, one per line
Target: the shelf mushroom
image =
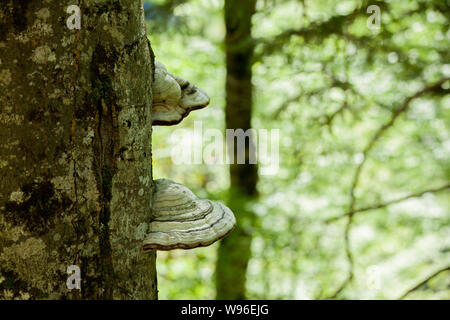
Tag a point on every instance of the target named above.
point(180, 220)
point(174, 98)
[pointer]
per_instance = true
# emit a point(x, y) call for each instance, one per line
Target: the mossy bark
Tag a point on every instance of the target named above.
point(234, 250)
point(75, 152)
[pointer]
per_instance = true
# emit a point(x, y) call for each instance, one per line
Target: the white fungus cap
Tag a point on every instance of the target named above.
point(174, 97)
point(183, 221)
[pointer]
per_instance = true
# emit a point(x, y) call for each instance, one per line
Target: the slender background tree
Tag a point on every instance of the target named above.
point(235, 250)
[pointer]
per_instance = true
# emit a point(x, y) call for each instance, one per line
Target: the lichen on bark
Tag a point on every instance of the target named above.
point(75, 158)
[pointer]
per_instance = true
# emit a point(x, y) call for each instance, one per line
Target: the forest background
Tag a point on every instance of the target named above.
point(359, 207)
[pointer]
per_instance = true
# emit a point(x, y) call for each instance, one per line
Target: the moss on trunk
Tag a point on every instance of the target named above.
point(75, 158)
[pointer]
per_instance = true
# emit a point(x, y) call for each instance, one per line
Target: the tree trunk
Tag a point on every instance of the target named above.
point(75, 153)
point(234, 251)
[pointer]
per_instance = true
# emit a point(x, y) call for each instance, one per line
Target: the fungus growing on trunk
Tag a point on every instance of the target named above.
point(174, 98)
point(180, 220)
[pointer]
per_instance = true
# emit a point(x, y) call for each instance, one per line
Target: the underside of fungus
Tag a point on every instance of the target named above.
point(180, 220)
point(174, 97)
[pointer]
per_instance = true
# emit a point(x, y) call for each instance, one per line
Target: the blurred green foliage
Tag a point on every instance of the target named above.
point(329, 83)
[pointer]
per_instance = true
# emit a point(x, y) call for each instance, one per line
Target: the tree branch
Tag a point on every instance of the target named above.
point(333, 82)
point(293, 99)
point(395, 115)
point(317, 30)
point(421, 283)
point(388, 203)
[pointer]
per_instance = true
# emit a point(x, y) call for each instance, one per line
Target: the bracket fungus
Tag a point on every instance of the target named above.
point(174, 98)
point(183, 221)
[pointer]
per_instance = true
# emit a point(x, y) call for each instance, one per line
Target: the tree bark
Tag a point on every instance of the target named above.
point(234, 251)
point(75, 153)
